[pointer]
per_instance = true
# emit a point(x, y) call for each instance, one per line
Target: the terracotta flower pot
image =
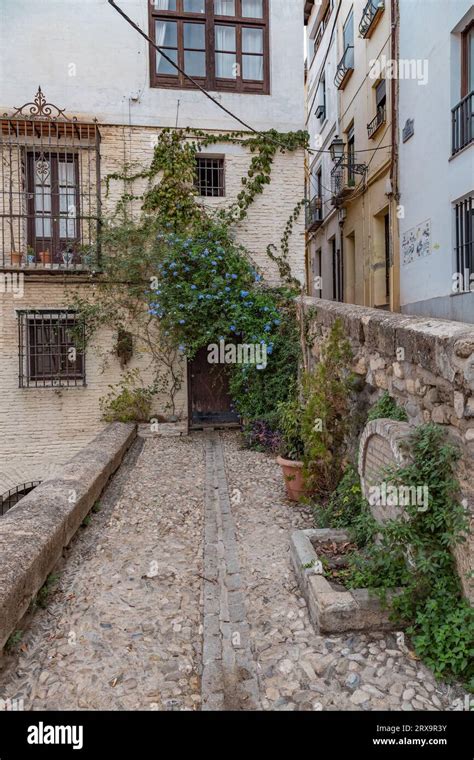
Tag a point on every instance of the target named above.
point(16, 258)
point(293, 475)
point(45, 257)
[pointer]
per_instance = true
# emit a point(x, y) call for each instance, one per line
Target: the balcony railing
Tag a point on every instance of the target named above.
point(370, 17)
point(314, 213)
point(377, 121)
point(49, 189)
point(462, 123)
point(345, 67)
point(343, 176)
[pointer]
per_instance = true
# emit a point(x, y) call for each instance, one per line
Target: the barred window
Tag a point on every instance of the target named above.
point(210, 176)
point(464, 246)
point(51, 346)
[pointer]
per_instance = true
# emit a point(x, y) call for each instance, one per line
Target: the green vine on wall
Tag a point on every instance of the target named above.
point(174, 163)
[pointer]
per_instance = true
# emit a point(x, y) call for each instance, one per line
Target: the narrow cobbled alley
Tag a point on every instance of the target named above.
point(179, 595)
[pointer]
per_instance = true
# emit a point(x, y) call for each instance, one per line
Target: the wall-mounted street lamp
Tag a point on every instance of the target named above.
point(344, 161)
point(337, 148)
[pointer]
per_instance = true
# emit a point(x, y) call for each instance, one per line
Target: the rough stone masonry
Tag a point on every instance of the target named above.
point(426, 365)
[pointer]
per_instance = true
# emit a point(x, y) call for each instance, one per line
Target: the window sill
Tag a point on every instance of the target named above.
point(453, 156)
point(229, 87)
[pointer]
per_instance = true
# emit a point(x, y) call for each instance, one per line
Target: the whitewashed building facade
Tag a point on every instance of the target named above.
point(436, 153)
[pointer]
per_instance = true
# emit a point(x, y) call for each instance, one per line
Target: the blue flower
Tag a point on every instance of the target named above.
point(233, 328)
point(175, 274)
point(227, 289)
point(208, 297)
point(172, 265)
point(182, 321)
point(182, 348)
point(206, 252)
point(267, 328)
point(265, 308)
point(269, 349)
point(214, 263)
point(200, 297)
point(244, 293)
point(276, 321)
point(193, 287)
point(181, 305)
point(234, 276)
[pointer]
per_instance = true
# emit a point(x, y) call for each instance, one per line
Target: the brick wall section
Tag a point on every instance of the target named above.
point(427, 366)
point(268, 215)
point(41, 429)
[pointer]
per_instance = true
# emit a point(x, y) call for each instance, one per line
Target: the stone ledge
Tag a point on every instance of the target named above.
point(34, 533)
point(333, 611)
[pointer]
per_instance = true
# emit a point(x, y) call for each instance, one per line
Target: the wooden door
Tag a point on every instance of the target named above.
point(208, 391)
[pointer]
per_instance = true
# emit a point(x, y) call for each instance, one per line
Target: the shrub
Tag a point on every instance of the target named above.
point(347, 508)
point(326, 416)
point(290, 415)
point(127, 401)
point(415, 552)
point(387, 408)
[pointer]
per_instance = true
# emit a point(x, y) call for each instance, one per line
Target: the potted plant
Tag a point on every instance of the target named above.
point(45, 257)
point(292, 447)
point(16, 258)
point(68, 256)
point(30, 256)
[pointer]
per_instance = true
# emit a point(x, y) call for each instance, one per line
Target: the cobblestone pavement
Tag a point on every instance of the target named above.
point(123, 629)
point(180, 594)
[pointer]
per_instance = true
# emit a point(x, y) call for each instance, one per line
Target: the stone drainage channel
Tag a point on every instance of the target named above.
point(180, 595)
point(228, 676)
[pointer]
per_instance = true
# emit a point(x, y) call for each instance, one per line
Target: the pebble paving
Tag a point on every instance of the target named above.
point(179, 595)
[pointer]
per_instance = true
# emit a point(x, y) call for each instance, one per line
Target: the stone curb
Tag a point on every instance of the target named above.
point(34, 533)
point(333, 611)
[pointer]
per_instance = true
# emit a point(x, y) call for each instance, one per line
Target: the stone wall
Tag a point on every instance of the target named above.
point(426, 365)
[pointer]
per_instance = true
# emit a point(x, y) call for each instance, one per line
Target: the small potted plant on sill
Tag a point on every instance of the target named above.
point(87, 256)
point(16, 258)
point(292, 448)
point(30, 256)
point(45, 257)
point(68, 257)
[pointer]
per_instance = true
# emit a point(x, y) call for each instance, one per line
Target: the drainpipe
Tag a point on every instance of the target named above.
point(395, 284)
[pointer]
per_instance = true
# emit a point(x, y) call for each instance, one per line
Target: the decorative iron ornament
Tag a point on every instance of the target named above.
point(39, 108)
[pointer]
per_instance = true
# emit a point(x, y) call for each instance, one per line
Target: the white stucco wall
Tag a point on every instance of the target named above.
point(430, 181)
point(40, 40)
point(322, 132)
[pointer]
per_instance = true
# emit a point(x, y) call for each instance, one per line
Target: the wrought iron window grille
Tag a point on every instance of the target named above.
point(50, 204)
point(51, 349)
point(210, 177)
point(14, 495)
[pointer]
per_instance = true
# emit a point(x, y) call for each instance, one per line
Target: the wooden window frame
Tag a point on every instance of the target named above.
point(210, 19)
point(465, 36)
point(53, 243)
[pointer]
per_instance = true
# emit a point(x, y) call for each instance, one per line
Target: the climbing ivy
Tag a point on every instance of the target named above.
point(176, 280)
